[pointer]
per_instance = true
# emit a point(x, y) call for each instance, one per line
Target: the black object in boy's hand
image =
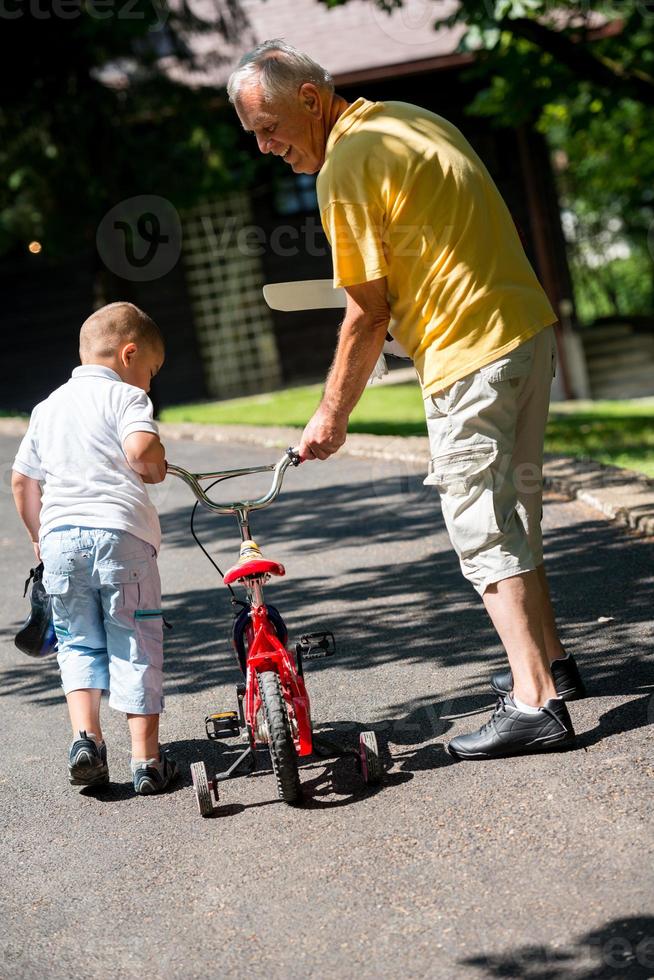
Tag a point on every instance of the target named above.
point(37, 637)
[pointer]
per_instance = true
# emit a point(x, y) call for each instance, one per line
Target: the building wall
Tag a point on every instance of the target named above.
point(224, 278)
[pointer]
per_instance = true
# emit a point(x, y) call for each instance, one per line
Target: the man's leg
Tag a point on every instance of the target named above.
point(553, 646)
point(516, 606)
point(486, 437)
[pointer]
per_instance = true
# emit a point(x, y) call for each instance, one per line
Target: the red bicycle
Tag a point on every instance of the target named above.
point(273, 703)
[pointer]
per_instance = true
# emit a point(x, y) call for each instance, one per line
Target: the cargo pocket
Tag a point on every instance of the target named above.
point(123, 578)
point(465, 479)
point(57, 586)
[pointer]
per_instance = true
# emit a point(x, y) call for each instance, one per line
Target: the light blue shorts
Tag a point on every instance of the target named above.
point(106, 603)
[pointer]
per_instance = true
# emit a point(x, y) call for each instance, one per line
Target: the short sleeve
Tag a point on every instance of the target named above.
point(136, 415)
point(28, 459)
point(355, 235)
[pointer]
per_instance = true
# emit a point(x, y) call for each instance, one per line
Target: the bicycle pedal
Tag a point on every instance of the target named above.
point(240, 697)
point(222, 724)
point(315, 646)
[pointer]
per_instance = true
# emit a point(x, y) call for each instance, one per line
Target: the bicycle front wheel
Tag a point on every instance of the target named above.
point(280, 740)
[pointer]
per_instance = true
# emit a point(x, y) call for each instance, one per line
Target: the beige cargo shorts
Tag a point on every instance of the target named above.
point(486, 435)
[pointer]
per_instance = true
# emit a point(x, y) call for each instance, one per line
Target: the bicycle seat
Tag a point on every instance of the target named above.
point(252, 562)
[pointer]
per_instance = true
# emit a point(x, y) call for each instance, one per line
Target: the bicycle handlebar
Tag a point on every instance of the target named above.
point(290, 458)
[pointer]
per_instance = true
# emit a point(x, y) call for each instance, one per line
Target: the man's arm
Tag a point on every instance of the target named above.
point(360, 343)
point(146, 456)
point(27, 497)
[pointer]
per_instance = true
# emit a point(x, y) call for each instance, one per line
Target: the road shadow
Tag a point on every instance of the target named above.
point(397, 610)
point(327, 782)
point(622, 948)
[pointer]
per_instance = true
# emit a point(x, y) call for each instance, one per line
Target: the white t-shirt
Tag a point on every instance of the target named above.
point(74, 447)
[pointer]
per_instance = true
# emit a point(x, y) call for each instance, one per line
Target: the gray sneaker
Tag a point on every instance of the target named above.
point(154, 775)
point(87, 763)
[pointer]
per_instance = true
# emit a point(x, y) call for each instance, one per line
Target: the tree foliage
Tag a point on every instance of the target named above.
point(583, 74)
point(89, 115)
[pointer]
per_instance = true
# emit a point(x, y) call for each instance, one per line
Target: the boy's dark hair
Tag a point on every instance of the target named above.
point(114, 325)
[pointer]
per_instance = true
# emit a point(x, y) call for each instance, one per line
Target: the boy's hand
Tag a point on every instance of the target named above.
point(37, 551)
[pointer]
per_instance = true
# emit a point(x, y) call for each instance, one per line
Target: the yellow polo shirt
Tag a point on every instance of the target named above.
point(402, 194)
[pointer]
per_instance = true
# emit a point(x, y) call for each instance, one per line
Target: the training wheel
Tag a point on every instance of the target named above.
point(202, 789)
point(371, 765)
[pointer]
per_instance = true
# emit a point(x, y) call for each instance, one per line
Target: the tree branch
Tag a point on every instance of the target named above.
point(581, 61)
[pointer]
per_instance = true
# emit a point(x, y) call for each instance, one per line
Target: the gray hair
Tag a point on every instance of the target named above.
point(279, 68)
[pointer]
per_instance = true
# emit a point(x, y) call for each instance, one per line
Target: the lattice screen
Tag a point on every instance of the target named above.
point(234, 325)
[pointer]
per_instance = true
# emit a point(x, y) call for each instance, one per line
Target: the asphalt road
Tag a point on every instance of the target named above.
point(539, 867)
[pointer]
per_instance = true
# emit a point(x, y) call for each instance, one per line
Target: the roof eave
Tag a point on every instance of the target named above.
point(404, 68)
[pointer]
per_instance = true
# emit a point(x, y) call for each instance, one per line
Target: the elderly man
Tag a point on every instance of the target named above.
point(423, 242)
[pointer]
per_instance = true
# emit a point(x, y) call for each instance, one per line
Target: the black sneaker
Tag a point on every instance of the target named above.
point(567, 680)
point(87, 763)
point(512, 732)
point(153, 776)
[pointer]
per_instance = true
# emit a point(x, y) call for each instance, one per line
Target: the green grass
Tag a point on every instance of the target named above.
point(384, 410)
point(616, 432)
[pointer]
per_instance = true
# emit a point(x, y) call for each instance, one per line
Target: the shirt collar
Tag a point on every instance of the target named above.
point(354, 113)
point(95, 371)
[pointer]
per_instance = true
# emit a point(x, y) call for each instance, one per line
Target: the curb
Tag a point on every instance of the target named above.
point(621, 495)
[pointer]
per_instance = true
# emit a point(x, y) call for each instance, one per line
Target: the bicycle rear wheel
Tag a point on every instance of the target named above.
point(280, 740)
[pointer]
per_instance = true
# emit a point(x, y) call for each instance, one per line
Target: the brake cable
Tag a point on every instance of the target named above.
point(234, 600)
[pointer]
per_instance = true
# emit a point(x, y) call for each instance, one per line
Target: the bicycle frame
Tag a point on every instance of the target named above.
point(265, 652)
point(263, 647)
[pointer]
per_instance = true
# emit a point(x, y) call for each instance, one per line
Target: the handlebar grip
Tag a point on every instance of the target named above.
point(294, 456)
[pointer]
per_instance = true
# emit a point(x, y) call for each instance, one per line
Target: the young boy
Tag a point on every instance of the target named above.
point(93, 445)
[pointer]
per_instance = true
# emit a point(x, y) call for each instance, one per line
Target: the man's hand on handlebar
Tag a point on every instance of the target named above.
point(324, 435)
